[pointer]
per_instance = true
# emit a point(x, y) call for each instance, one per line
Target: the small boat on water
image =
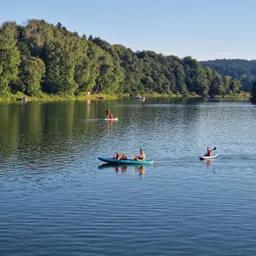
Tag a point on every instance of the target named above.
point(111, 119)
point(208, 157)
point(126, 161)
point(140, 97)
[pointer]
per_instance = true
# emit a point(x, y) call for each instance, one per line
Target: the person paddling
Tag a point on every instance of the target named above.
point(109, 115)
point(209, 151)
point(141, 156)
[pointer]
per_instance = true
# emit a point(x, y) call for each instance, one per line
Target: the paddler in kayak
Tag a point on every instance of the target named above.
point(141, 156)
point(109, 115)
point(209, 151)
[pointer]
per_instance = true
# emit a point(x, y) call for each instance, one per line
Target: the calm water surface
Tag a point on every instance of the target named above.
point(56, 199)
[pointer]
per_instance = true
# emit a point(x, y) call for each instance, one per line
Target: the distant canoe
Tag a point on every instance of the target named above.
point(139, 97)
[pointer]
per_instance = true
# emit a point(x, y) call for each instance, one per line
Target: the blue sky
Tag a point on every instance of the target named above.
point(203, 29)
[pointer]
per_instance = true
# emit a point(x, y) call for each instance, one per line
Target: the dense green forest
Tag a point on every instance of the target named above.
point(40, 57)
point(242, 70)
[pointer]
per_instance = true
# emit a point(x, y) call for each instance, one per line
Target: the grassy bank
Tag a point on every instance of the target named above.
point(236, 96)
point(170, 95)
point(48, 97)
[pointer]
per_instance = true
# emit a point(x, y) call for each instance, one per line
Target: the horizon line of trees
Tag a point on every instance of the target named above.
point(41, 57)
point(240, 69)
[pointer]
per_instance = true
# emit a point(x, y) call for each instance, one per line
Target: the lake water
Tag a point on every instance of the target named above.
point(56, 199)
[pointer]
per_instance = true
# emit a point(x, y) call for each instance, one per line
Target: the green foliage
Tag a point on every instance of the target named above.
point(216, 86)
point(43, 57)
point(60, 59)
point(203, 83)
point(9, 56)
point(86, 68)
point(242, 70)
point(34, 69)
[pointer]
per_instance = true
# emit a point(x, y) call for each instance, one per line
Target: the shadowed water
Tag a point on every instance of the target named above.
point(57, 199)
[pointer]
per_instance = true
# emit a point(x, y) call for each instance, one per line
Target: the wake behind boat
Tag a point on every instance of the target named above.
point(125, 161)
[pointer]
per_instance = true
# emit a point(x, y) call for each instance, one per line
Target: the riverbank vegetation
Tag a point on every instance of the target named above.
point(42, 60)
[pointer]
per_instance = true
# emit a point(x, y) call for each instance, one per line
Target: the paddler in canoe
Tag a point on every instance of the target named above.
point(141, 156)
point(120, 156)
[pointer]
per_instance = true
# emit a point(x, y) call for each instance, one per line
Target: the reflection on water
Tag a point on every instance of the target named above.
point(122, 169)
point(56, 201)
point(141, 170)
point(210, 164)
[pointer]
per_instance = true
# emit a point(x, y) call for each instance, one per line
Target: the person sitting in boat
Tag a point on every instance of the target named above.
point(120, 156)
point(123, 156)
point(209, 151)
point(109, 115)
point(117, 156)
point(141, 156)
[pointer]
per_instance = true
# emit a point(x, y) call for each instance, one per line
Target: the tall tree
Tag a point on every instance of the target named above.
point(9, 56)
point(34, 70)
point(216, 86)
point(203, 83)
point(61, 59)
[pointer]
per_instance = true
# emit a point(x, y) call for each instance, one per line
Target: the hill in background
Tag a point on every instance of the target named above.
point(243, 70)
point(41, 57)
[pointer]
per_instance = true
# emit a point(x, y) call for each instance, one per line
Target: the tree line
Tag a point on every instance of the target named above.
point(242, 70)
point(41, 57)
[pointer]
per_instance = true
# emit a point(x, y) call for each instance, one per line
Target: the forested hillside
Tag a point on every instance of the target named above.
point(41, 57)
point(243, 70)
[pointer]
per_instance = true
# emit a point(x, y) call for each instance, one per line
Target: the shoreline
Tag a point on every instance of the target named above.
point(243, 96)
point(55, 98)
